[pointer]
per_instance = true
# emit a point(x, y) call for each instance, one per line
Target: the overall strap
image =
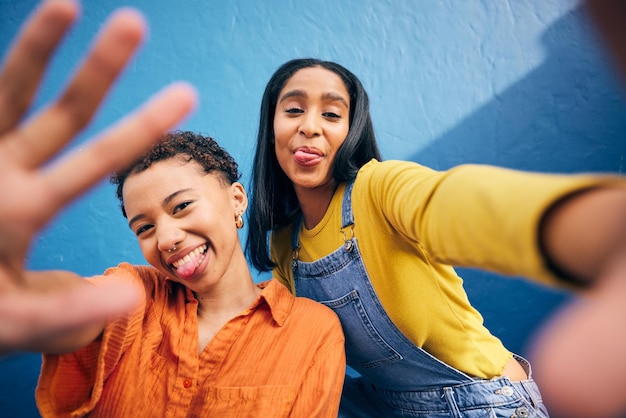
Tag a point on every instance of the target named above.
point(347, 217)
point(295, 231)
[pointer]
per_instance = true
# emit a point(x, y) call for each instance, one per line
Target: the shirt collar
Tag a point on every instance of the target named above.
point(278, 298)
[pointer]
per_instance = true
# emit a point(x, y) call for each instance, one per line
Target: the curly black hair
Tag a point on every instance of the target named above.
point(187, 146)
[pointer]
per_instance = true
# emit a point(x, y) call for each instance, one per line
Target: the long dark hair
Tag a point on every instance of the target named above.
point(273, 198)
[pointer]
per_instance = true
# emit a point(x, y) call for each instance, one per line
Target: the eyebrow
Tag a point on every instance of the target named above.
point(166, 201)
point(328, 97)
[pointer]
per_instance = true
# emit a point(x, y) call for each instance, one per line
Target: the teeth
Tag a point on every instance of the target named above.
point(189, 256)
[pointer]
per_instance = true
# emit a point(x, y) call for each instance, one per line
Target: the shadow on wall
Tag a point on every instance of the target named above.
point(18, 379)
point(568, 115)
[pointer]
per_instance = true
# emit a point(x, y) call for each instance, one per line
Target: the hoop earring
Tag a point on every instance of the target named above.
point(239, 222)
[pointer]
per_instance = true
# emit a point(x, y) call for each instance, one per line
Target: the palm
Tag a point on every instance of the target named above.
point(34, 306)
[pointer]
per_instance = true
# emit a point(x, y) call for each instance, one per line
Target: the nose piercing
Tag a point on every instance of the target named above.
point(172, 249)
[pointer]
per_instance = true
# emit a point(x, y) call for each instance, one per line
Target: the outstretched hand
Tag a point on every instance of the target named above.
point(579, 356)
point(36, 306)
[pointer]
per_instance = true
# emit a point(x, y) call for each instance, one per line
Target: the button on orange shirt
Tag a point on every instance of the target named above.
point(282, 357)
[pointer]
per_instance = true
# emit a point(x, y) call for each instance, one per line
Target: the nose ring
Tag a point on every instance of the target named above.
point(172, 249)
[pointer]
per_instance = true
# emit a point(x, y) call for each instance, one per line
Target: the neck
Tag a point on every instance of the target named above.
point(233, 292)
point(218, 307)
point(314, 202)
point(227, 300)
point(221, 300)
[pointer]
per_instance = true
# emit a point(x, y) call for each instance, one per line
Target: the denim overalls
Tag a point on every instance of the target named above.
point(397, 377)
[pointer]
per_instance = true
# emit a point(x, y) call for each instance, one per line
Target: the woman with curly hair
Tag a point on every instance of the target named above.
point(205, 340)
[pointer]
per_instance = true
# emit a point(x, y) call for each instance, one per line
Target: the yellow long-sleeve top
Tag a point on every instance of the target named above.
point(412, 224)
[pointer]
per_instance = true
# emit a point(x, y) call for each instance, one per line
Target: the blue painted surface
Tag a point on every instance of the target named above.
point(520, 84)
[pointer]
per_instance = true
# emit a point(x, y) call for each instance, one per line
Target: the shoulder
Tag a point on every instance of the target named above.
point(130, 270)
point(296, 309)
point(385, 184)
point(147, 277)
point(282, 234)
point(316, 317)
point(316, 323)
point(375, 167)
point(309, 305)
point(379, 173)
point(134, 272)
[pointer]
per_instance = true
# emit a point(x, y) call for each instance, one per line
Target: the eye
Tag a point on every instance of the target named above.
point(143, 229)
point(331, 115)
point(181, 206)
point(294, 110)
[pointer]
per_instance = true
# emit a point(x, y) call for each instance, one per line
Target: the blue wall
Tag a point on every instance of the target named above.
point(522, 84)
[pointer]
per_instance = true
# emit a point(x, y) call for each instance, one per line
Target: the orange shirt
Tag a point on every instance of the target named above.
point(281, 357)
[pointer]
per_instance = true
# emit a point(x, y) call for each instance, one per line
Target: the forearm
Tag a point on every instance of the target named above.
point(584, 235)
point(488, 217)
point(581, 350)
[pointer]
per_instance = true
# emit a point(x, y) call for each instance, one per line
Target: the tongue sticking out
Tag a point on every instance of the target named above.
point(187, 269)
point(304, 157)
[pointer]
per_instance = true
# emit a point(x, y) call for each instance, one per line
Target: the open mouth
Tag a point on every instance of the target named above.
point(186, 266)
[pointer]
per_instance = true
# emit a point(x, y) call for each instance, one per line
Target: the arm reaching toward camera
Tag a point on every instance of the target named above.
point(579, 357)
point(35, 307)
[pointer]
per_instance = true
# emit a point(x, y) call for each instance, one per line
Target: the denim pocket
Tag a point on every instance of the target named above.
point(365, 347)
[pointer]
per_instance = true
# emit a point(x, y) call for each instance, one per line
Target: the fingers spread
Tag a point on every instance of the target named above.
point(119, 145)
point(73, 110)
point(27, 60)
